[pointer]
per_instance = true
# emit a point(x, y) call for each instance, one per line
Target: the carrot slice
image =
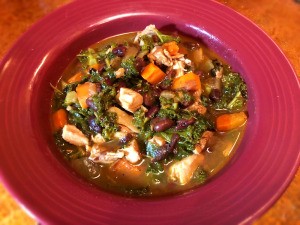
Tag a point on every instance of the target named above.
point(172, 47)
point(189, 82)
point(85, 91)
point(80, 75)
point(76, 78)
point(125, 172)
point(227, 122)
point(153, 74)
point(59, 119)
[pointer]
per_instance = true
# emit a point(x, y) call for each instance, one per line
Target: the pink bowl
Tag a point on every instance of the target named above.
point(260, 171)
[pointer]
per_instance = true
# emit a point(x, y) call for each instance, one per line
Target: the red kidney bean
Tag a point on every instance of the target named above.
point(173, 143)
point(93, 125)
point(91, 104)
point(163, 151)
point(161, 124)
point(98, 87)
point(108, 81)
point(139, 64)
point(149, 99)
point(126, 138)
point(184, 123)
point(120, 50)
point(215, 95)
point(121, 84)
point(152, 111)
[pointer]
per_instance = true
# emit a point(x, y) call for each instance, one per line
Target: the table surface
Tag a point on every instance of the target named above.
point(279, 19)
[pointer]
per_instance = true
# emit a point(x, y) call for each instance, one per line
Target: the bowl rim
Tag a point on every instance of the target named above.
point(223, 44)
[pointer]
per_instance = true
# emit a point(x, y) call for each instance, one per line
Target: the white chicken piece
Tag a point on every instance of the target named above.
point(98, 139)
point(149, 30)
point(130, 100)
point(157, 140)
point(120, 72)
point(161, 56)
point(123, 118)
point(196, 106)
point(132, 152)
point(73, 135)
point(104, 157)
point(206, 136)
point(183, 170)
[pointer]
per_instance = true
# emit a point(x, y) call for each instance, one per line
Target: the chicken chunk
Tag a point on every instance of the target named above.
point(73, 135)
point(98, 139)
point(183, 170)
point(160, 56)
point(105, 157)
point(201, 109)
point(120, 72)
point(132, 152)
point(157, 140)
point(202, 143)
point(124, 119)
point(130, 100)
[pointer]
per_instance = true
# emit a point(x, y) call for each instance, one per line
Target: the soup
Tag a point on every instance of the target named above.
point(148, 113)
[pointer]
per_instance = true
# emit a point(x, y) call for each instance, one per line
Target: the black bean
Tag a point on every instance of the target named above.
point(215, 95)
point(184, 123)
point(161, 124)
point(152, 111)
point(93, 124)
point(91, 104)
point(120, 50)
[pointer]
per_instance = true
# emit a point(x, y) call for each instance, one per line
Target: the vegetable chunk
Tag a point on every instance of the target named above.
point(153, 74)
point(74, 136)
point(227, 122)
point(183, 170)
point(84, 91)
point(129, 99)
point(59, 119)
point(189, 82)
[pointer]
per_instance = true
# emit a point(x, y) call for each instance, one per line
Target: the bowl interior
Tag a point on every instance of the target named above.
point(249, 177)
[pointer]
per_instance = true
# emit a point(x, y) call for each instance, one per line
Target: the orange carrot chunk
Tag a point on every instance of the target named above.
point(84, 91)
point(189, 82)
point(153, 74)
point(76, 78)
point(59, 119)
point(227, 122)
point(124, 172)
point(172, 47)
point(80, 75)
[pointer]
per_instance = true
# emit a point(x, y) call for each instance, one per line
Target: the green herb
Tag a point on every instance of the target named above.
point(200, 176)
point(234, 92)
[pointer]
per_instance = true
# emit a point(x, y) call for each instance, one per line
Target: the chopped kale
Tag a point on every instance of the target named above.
point(234, 92)
point(200, 176)
point(87, 57)
point(130, 70)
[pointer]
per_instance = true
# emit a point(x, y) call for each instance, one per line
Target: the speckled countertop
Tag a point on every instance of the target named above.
point(280, 19)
